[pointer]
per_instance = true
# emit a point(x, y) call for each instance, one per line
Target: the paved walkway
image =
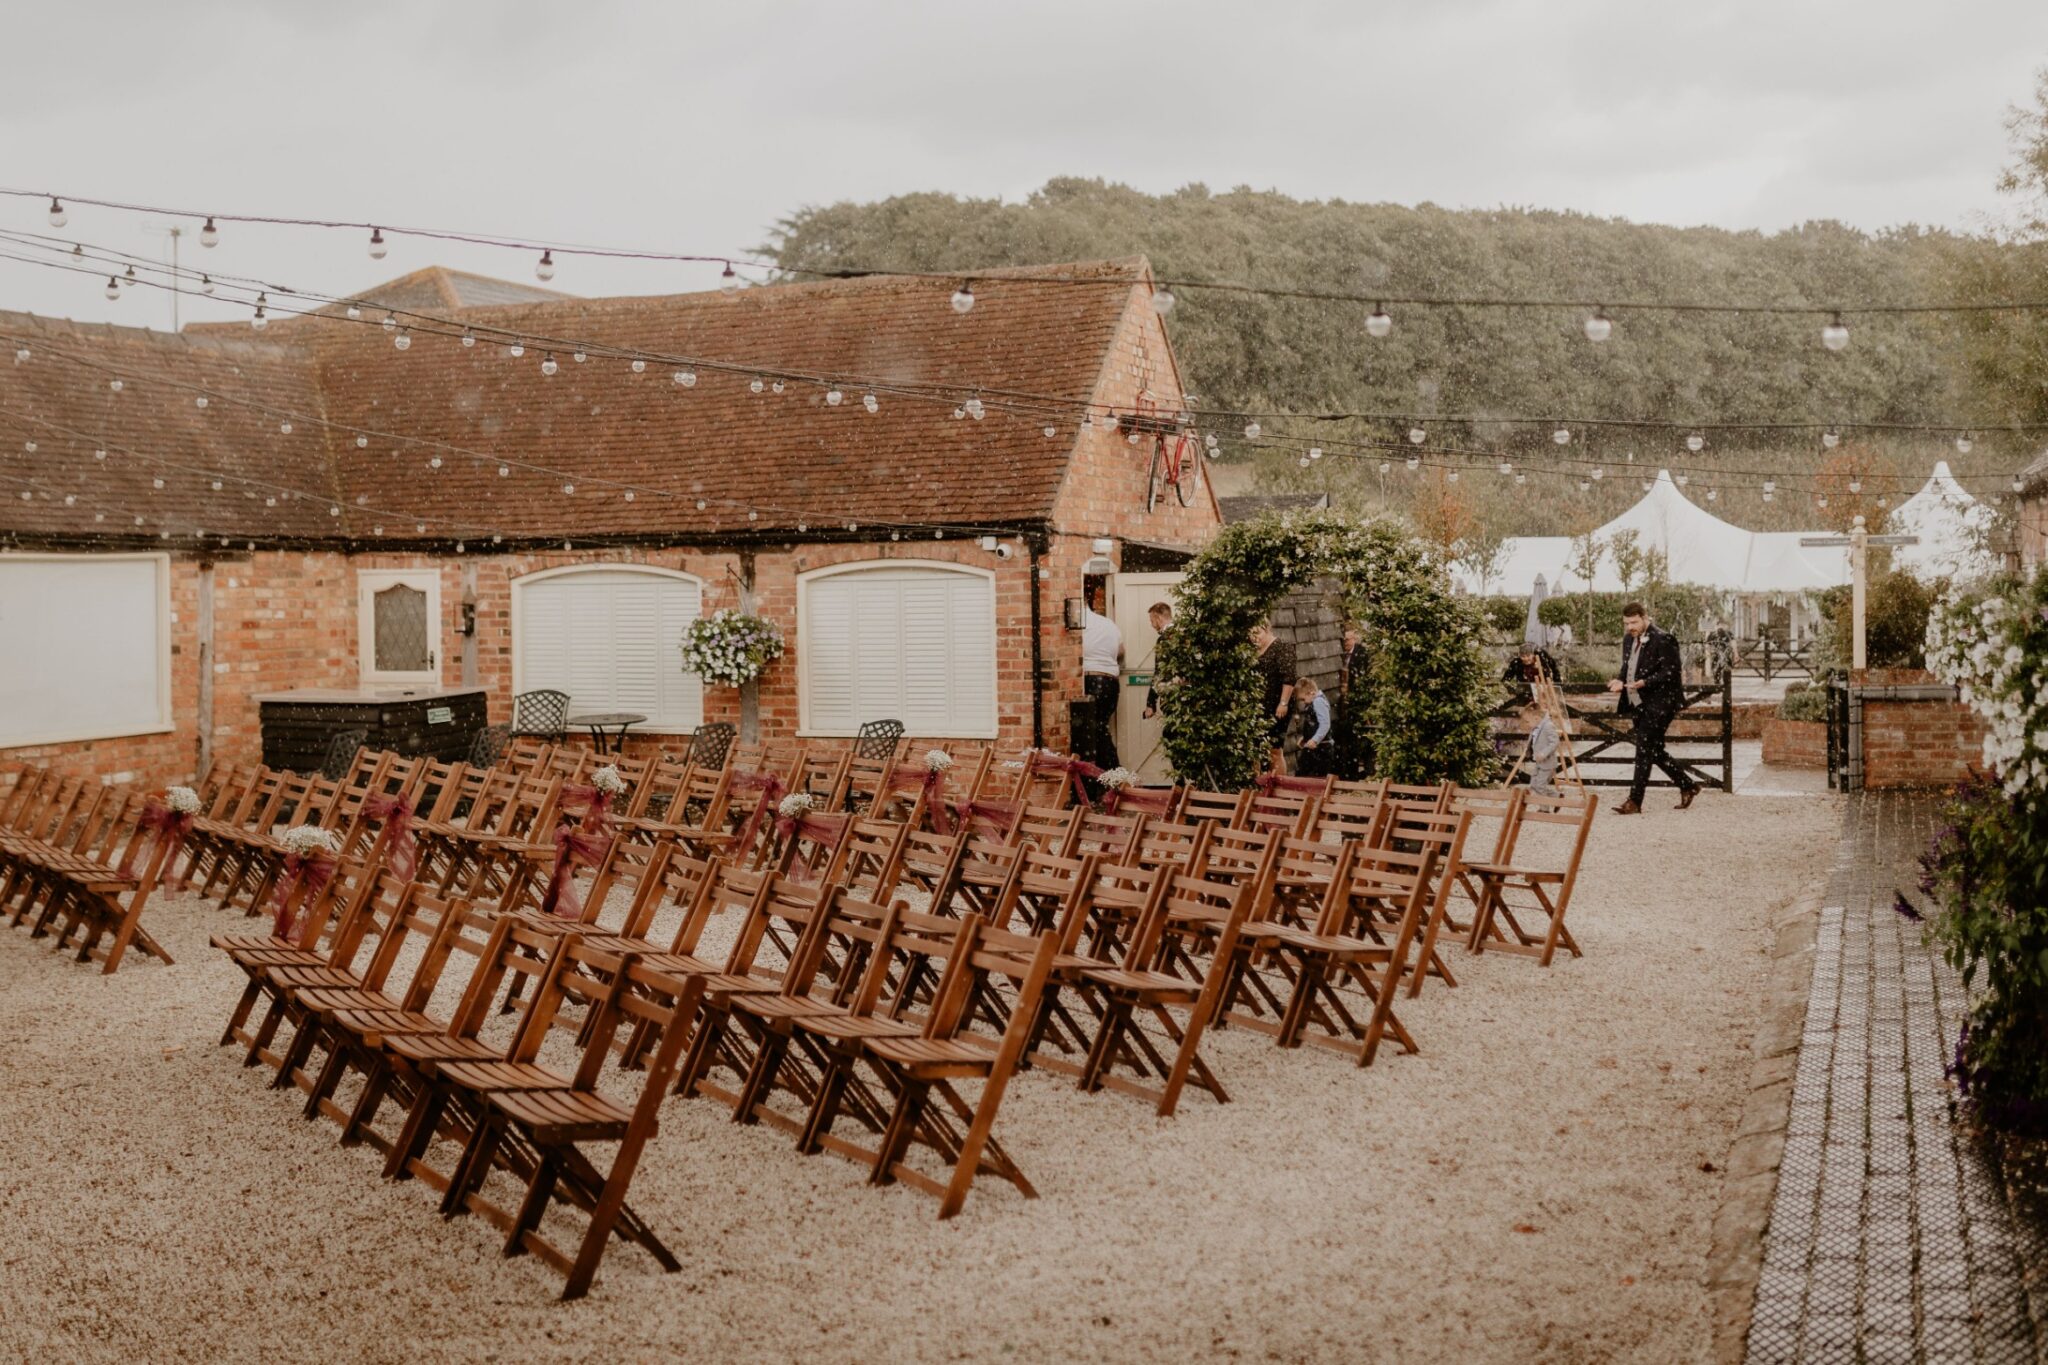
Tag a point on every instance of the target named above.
point(1890, 1238)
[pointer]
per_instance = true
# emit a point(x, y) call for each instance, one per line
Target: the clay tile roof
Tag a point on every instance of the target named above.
point(791, 456)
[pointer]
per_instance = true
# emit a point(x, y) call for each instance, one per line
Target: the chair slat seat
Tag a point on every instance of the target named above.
point(843, 1027)
point(556, 1116)
point(373, 1025)
point(1144, 983)
point(926, 1057)
point(293, 977)
point(778, 1006)
point(253, 943)
point(495, 1075)
point(442, 1047)
point(327, 1001)
point(1534, 874)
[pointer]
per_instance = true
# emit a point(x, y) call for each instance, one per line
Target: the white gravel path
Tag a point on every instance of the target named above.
point(1529, 1187)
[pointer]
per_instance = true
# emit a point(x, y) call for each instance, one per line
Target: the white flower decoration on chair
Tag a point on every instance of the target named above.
point(182, 800)
point(305, 840)
point(938, 760)
point(608, 781)
point(797, 805)
point(1119, 778)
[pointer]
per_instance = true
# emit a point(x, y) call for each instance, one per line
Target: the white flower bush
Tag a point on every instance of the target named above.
point(305, 840)
point(608, 781)
point(182, 800)
point(730, 648)
point(1119, 778)
point(797, 805)
point(1994, 650)
point(938, 760)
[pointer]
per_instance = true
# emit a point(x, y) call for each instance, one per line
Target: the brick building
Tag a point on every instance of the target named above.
point(190, 521)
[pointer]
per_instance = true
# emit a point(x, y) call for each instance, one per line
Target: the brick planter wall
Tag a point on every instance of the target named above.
point(1795, 743)
point(1916, 743)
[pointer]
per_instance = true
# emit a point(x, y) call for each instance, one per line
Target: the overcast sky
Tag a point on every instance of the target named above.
point(691, 128)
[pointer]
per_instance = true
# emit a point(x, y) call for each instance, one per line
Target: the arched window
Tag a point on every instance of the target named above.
point(610, 635)
point(897, 640)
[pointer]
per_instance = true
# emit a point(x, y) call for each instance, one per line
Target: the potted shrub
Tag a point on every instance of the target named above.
point(731, 649)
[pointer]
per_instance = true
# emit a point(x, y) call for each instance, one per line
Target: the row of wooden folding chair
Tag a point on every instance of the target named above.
point(76, 859)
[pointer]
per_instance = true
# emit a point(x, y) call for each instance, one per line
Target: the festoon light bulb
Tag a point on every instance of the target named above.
point(549, 365)
point(1563, 436)
point(1377, 323)
point(1599, 327)
point(545, 269)
point(1835, 336)
point(1695, 443)
point(58, 218)
point(728, 279)
point(1163, 301)
point(1963, 444)
point(1830, 438)
point(209, 235)
point(377, 247)
point(963, 299)
point(1416, 436)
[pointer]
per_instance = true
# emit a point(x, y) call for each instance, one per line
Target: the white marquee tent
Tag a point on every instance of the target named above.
point(1703, 549)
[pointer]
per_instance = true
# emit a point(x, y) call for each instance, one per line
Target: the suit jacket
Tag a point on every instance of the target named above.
point(1662, 695)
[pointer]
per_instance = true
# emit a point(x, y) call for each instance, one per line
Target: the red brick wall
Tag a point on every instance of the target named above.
point(1917, 743)
point(1795, 743)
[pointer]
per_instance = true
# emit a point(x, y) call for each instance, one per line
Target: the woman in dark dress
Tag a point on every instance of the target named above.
point(1276, 677)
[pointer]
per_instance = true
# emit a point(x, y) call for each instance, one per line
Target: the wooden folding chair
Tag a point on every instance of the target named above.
point(1549, 889)
point(1206, 807)
point(1444, 831)
point(1335, 954)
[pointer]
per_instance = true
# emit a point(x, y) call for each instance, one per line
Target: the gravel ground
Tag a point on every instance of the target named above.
point(1535, 1184)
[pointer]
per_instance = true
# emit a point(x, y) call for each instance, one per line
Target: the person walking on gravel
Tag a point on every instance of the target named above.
point(1650, 691)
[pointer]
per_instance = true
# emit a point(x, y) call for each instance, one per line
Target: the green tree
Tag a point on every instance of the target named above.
point(1624, 548)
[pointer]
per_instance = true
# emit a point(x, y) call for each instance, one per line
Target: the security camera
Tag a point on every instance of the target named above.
point(1005, 551)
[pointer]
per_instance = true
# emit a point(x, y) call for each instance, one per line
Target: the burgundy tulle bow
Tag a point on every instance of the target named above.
point(1001, 814)
point(1268, 783)
point(1078, 770)
point(931, 782)
point(158, 823)
point(1150, 800)
point(772, 789)
point(396, 838)
point(310, 872)
point(574, 848)
point(594, 803)
point(825, 830)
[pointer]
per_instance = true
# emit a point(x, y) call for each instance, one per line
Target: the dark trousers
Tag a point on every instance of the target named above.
point(1103, 690)
point(1650, 752)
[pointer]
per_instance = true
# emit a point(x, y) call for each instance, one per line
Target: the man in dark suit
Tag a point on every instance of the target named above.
point(1651, 691)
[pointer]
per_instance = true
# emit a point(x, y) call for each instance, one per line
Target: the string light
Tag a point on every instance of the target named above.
point(1563, 436)
point(390, 323)
point(639, 366)
point(1855, 485)
point(468, 338)
point(546, 269)
point(516, 349)
point(1830, 438)
point(1378, 323)
point(1414, 462)
point(200, 401)
point(1835, 336)
point(548, 365)
point(113, 287)
point(686, 378)
point(1695, 443)
point(756, 386)
point(354, 313)
point(377, 247)
point(963, 298)
point(1713, 495)
point(58, 218)
point(728, 280)
point(1251, 431)
point(206, 284)
point(579, 356)
point(209, 236)
point(403, 341)
point(833, 398)
point(1315, 452)
point(1416, 436)
point(870, 402)
point(1599, 327)
point(1963, 444)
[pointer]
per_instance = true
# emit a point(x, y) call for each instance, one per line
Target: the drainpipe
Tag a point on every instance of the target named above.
point(1037, 544)
point(469, 622)
point(205, 700)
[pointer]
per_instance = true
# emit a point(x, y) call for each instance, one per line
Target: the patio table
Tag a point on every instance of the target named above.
point(598, 722)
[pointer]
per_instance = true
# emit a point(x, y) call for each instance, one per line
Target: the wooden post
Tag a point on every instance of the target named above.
point(750, 691)
point(204, 757)
point(1859, 550)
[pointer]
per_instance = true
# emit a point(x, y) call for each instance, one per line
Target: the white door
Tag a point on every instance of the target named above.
point(398, 626)
point(1138, 741)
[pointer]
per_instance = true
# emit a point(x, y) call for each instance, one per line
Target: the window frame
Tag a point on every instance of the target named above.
point(805, 730)
point(521, 583)
point(166, 722)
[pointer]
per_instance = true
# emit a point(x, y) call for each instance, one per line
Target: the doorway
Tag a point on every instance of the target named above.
point(1138, 740)
point(398, 626)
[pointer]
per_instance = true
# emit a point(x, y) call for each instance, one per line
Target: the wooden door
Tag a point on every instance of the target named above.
point(398, 626)
point(1138, 741)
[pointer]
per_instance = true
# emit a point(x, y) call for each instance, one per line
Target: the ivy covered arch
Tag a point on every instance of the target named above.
point(1429, 688)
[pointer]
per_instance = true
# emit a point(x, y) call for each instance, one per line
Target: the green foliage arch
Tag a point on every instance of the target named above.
point(1430, 685)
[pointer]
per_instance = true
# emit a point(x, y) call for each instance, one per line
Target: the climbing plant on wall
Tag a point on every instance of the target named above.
point(1429, 688)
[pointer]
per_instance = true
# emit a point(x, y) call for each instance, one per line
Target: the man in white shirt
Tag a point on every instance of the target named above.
point(1102, 657)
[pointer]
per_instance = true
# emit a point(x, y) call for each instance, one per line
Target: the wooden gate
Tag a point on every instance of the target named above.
point(1701, 741)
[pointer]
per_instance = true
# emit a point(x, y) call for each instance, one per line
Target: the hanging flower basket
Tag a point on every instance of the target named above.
point(730, 648)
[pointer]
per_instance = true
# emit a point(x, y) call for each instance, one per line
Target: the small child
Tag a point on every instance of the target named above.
point(1315, 758)
point(1543, 739)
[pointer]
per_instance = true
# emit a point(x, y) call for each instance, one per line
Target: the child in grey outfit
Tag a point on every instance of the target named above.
point(1543, 739)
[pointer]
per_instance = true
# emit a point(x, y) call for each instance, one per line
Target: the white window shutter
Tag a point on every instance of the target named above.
point(612, 639)
point(907, 643)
